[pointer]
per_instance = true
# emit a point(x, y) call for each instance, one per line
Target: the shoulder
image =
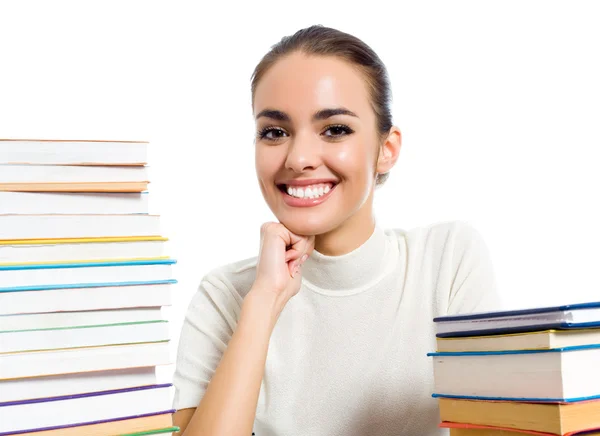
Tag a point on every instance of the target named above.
point(455, 258)
point(235, 278)
point(439, 238)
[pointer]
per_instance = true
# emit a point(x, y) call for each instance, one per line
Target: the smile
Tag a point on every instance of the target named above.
point(303, 195)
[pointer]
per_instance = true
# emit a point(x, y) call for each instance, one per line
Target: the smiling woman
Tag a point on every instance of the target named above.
point(326, 331)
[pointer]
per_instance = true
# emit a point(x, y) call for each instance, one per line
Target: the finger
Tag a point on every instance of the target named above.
point(294, 268)
point(304, 247)
point(293, 254)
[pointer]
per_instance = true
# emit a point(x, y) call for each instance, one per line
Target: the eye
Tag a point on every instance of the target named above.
point(338, 131)
point(271, 133)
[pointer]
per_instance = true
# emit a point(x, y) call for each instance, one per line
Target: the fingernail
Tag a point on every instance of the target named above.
point(304, 258)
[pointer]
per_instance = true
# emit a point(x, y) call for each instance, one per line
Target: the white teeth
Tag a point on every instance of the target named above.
point(313, 191)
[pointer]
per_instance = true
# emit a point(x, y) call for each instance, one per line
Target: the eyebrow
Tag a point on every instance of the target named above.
point(320, 115)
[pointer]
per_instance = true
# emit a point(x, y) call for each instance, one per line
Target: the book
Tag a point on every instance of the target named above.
point(75, 298)
point(150, 424)
point(64, 250)
point(485, 430)
point(24, 277)
point(554, 418)
point(53, 362)
point(110, 203)
point(556, 375)
point(539, 340)
point(73, 152)
point(58, 178)
point(85, 408)
point(76, 383)
point(583, 315)
point(16, 341)
point(39, 321)
point(14, 227)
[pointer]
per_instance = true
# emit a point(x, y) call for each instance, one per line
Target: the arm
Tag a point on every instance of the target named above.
point(221, 362)
point(229, 404)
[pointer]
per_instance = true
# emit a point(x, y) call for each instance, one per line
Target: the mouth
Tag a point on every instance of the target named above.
point(306, 193)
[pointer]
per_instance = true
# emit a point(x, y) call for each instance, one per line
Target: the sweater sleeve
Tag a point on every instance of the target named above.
point(474, 287)
point(209, 323)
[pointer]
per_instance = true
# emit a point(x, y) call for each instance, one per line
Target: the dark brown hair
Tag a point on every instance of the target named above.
point(324, 41)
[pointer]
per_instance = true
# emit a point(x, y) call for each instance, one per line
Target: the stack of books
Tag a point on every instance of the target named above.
point(83, 279)
point(532, 371)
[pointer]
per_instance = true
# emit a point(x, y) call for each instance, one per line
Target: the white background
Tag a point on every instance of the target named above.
point(498, 102)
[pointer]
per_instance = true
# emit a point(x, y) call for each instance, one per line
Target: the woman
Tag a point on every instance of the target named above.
point(325, 333)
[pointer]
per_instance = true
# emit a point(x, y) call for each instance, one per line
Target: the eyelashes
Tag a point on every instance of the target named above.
point(338, 131)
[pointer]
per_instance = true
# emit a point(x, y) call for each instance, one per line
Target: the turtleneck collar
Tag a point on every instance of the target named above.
point(352, 272)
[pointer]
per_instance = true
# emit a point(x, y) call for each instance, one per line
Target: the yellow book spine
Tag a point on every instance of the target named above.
point(80, 240)
point(55, 262)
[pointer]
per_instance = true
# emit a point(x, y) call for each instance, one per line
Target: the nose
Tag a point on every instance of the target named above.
point(303, 154)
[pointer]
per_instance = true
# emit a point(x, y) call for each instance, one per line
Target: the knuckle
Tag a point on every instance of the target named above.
point(265, 227)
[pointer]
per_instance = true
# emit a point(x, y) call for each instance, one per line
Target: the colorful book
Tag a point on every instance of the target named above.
point(558, 375)
point(88, 408)
point(97, 273)
point(16, 227)
point(73, 178)
point(542, 340)
point(73, 152)
point(18, 341)
point(53, 320)
point(486, 430)
point(85, 249)
point(45, 203)
point(554, 418)
point(85, 297)
point(158, 423)
point(570, 316)
point(76, 360)
point(76, 383)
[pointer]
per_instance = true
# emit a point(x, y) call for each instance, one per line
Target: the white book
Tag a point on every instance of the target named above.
point(92, 249)
point(75, 299)
point(85, 408)
point(68, 361)
point(28, 277)
point(100, 203)
point(70, 152)
point(73, 384)
point(38, 321)
point(84, 336)
point(71, 174)
point(560, 374)
point(77, 226)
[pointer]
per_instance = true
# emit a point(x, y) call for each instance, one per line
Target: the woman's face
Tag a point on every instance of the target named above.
point(316, 144)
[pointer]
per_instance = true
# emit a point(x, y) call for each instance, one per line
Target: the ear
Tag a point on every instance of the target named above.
point(389, 151)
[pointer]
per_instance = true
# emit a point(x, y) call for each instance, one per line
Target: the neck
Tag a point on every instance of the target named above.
point(350, 235)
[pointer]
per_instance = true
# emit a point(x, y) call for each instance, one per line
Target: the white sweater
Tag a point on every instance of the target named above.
point(348, 353)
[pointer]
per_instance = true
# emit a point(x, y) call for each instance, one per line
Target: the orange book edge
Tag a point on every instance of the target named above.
point(81, 240)
point(447, 424)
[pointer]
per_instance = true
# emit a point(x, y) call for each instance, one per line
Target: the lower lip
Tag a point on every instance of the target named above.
point(305, 202)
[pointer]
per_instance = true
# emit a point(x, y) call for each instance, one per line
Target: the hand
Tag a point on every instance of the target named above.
point(281, 255)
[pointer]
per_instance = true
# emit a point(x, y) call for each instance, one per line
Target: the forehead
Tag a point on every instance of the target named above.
point(299, 85)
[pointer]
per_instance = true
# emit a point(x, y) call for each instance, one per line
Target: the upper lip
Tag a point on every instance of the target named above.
point(306, 182)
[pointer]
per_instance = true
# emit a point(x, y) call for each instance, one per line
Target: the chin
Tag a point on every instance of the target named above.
point(311, 226)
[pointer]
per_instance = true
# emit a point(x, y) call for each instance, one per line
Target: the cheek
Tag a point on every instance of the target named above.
point(266, 163)
point(352, 161)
